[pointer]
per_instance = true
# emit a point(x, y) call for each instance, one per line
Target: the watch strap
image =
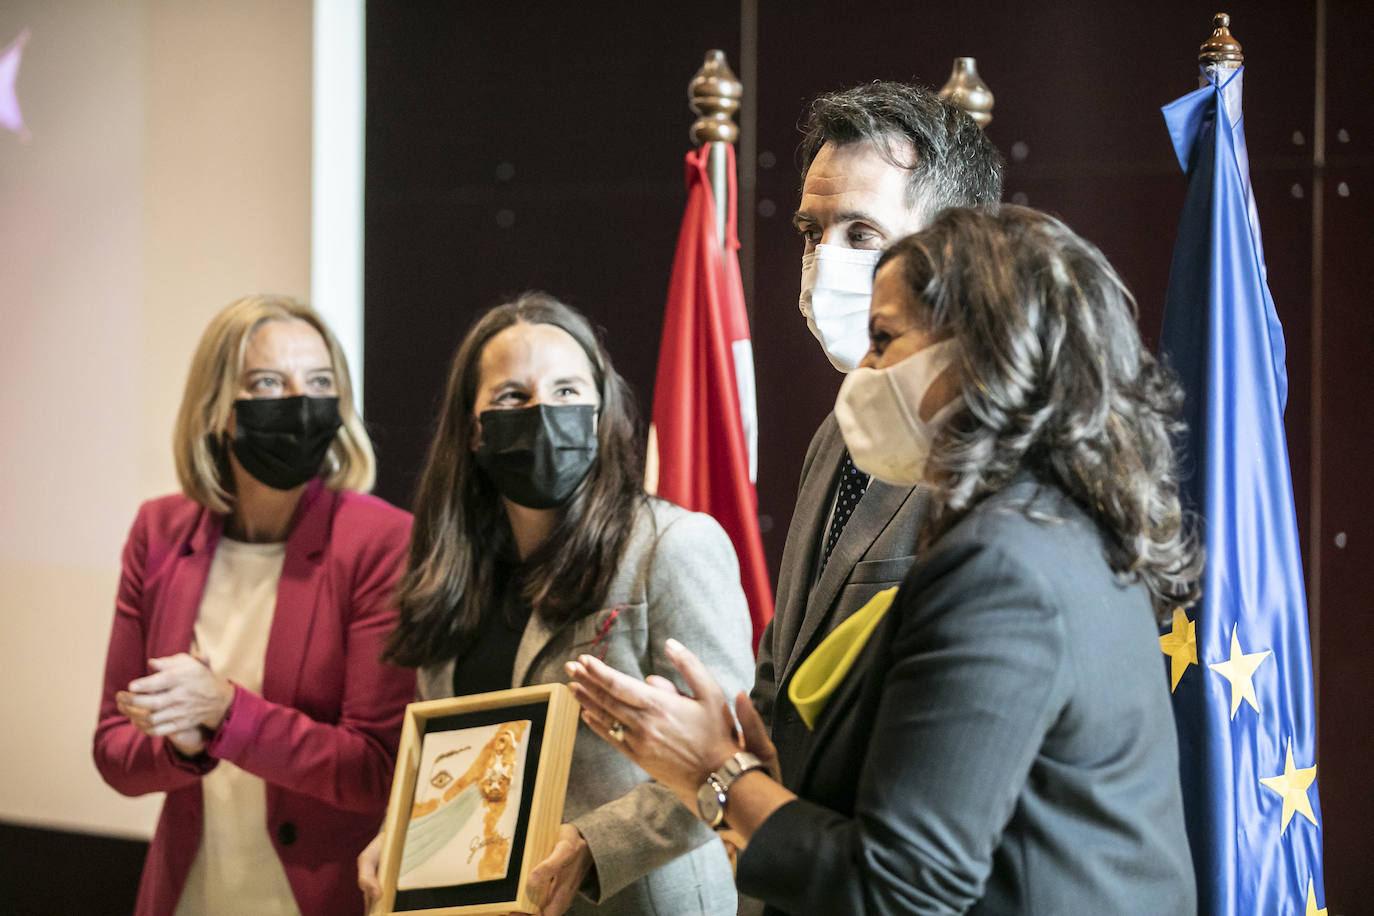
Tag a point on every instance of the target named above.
point(735, 766)
point(715, 789)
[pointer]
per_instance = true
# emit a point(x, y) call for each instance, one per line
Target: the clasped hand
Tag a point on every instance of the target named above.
point(176, 700)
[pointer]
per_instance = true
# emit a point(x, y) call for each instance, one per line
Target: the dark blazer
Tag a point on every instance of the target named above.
point(874, 552)
point(1003, 744)
point(323, 733)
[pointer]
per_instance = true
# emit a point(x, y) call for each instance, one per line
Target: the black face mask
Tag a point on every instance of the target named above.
point(536, 456)
point(282, 441)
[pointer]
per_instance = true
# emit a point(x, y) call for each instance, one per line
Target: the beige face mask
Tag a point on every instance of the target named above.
point(879, 414)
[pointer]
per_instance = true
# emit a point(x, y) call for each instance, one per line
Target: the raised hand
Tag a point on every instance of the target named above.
point(676, 738)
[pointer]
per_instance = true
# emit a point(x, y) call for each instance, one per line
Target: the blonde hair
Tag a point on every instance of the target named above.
point(209, 397)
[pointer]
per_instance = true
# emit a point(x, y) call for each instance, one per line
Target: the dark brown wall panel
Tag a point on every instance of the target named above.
point(1346, 534)
point(514, 146)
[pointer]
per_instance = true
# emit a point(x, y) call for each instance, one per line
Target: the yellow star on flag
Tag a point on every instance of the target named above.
point(1180, 644)
point(1312, 901)
point(1239, 670)
point(1292, 785)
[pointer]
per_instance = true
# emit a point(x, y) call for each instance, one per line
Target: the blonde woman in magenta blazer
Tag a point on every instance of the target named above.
point(304, 755)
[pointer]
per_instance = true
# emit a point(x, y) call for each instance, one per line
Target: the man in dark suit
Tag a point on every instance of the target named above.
point(878, 162)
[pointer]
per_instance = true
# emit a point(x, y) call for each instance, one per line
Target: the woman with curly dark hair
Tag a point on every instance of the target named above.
point(995, 735)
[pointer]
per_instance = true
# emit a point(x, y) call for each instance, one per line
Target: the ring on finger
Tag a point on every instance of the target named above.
point(617, 731)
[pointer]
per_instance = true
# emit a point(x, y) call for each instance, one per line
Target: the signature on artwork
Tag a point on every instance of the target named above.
point(479, 843)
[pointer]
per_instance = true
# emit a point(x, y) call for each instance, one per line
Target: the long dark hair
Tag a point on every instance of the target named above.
point(461, 528)
point(1055, 381)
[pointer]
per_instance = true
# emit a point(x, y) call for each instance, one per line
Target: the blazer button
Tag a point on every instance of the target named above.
point(286, 833)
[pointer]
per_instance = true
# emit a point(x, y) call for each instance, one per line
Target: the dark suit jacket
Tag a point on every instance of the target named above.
point(324, 730)
point(1004, 743)
point(873, 553)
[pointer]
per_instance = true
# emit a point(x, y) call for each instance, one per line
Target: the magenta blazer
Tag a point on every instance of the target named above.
point(324, 730)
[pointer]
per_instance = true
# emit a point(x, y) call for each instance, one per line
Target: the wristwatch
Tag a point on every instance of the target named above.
point(712, 795)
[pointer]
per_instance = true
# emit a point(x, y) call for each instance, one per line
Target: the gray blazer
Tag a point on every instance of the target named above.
point(1004, 743)
point(679, 578)
point(873, 553)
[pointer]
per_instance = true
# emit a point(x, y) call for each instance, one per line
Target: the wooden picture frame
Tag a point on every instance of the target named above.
point(476, 801)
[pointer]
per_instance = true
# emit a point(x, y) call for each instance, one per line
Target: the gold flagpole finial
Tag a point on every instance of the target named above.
point(715, 94)
point(966, 89)
point(1221, 50)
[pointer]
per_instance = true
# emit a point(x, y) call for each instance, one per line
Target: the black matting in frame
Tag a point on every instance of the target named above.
point(508, 888)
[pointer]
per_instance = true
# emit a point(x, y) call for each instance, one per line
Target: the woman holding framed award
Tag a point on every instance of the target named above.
point(535, 543)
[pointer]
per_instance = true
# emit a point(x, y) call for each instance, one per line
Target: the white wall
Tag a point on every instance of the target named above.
point(168, 172)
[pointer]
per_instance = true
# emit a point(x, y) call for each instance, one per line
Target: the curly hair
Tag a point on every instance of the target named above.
point(956, 164)
point(461, 529)
point(1056, 382)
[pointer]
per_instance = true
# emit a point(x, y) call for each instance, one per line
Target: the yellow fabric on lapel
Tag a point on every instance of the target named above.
point(824, 669)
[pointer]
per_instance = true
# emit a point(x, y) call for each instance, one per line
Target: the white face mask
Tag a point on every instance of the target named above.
point(879, 414)
point(836, 288)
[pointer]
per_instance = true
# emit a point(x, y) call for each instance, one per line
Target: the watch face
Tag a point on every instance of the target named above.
point(711, 802)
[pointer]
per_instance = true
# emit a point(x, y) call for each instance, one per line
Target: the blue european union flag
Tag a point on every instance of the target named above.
point(1240, 668)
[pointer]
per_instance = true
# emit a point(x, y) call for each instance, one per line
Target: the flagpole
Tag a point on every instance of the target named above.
point(1239, 662)
point(715, 93)
point(703, 441)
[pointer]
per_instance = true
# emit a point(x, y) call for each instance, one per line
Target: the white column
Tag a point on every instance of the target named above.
point(336, 238)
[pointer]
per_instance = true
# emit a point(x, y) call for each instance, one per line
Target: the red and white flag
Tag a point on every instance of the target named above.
point(703, 451)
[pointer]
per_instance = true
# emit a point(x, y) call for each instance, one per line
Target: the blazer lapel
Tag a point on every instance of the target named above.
point(795, 579)
point(298, 594)
point(181, 595)
point(879, 504)
point(536, 636)
point(847, 714)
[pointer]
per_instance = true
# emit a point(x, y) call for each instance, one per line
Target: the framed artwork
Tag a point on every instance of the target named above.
point(476, 801)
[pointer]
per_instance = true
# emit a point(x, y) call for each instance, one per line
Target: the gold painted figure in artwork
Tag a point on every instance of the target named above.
point(491, 775)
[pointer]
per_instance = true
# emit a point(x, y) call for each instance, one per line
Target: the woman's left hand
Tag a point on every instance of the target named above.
point(182, 694)
point(555, 880)
point(676, 739)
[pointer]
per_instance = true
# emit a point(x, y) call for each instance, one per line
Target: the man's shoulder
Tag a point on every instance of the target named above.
point(827, 435)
